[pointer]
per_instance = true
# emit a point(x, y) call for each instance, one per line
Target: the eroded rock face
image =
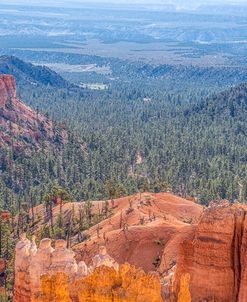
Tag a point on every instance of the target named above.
point(103, 259)
point(105, 284)
point(7, 89)
point(22, 276)
point(154, 225)
point(55, 288)
point(211, 267)
point(82, 269)
point(32, 263)
point(214, 257)
point(184, 293)
point(40, 263)
point(27, 128)
point(63, 260)
point(52, 275)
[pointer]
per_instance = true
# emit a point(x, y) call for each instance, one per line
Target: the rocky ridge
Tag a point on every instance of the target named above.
point(152, 223)
point(7, 90)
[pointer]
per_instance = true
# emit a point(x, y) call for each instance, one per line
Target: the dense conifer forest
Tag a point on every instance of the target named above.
point(131, 137)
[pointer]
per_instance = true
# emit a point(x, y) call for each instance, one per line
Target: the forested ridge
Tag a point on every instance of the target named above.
point(28, 73)
point(122, 140)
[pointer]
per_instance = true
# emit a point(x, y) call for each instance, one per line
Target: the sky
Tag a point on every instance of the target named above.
point(180, 2)
point(176, 3)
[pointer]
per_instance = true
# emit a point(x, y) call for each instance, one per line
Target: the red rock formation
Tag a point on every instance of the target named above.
point(47, 275)
point(7, 89)
point(105, 284)
point(211, 266)
point(20, 125)
point(215, 256)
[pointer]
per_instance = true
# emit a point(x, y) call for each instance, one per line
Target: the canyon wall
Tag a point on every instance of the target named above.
point(21, 127)
point(214, 257)
point(7, 89)
point(45, 274)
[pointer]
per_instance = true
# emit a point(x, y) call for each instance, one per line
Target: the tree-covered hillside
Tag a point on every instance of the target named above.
point(185, 142)
point(27, 73)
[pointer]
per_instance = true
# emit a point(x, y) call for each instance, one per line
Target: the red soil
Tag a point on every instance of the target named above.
point(150, 225)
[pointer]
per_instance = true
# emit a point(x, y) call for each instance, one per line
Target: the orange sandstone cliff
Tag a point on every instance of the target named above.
point(214, 257)
point(105, 284)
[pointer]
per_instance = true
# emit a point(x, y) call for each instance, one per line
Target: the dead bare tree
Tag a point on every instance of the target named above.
point(121, 220)
point(69, 231)
point(98, 230)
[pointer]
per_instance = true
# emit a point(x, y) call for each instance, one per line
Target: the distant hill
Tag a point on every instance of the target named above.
point(230, 104)
point(27, 73)
point(224, 76)
point(211, 142)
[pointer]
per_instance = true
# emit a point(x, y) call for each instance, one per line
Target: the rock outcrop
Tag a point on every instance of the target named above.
point(22, 274)
point(104, 259)
point(20, 125)
point(184, 292)
point(40, 263)
point(45, 274)
point(104, 284)
point(7, 89)
point(210, 267)
point(214, 258)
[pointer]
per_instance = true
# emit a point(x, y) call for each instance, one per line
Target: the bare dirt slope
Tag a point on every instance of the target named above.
point(141, 228)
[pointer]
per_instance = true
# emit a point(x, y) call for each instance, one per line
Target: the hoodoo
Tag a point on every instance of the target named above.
point(45, 274)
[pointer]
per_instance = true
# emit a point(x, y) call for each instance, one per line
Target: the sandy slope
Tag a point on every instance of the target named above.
point(142, 228)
